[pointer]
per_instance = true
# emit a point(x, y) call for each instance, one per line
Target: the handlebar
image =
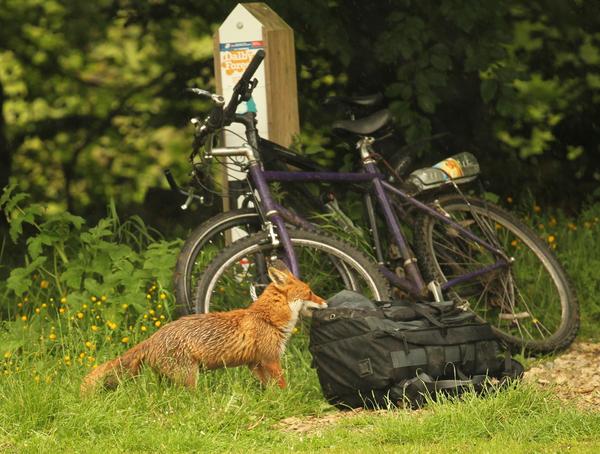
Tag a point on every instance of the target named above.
point(240, 90)
point(221, 116)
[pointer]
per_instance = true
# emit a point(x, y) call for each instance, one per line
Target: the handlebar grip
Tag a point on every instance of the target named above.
point(253, 65)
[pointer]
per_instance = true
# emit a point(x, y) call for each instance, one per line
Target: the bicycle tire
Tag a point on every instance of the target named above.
point(227, 282)
point(195, 253)
point(518, 301)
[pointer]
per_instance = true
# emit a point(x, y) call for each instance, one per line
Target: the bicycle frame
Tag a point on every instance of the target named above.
point(276, 214)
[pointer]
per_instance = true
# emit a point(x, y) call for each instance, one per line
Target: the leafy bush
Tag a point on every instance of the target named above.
point(108, 282)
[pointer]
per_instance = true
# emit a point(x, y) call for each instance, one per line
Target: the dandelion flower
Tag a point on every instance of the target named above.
point(94, 328)
point(24, 318)
point(551, 239)
point(44, 283)
point(94, 299)
point(513, 243)
point(125, 340)
point(63, 300)
point(157, 323)
point(7, 355)
point(52, 336)
point(163, 296)
point(111, 325)
point(79, 315)
point(148, 296)
point(82, 355)
point(37, 310)
point(44, 305)
point(62, 310)
point(85, 306)
point(88, 344)
point(103, 298)
point(124, 306)
point(143, 328)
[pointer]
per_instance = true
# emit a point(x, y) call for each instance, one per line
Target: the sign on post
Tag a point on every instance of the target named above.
point(249, 27)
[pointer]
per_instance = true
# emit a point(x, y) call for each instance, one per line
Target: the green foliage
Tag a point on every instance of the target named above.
point(106, 278)
point(92, 105)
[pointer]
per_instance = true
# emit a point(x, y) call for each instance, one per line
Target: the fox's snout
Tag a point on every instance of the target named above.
point(315, 302)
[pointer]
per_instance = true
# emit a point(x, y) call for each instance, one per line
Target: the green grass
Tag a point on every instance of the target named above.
point(41, 411)
point(229, 412)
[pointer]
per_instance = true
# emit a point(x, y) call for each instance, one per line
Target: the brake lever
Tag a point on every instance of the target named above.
point(217, 99)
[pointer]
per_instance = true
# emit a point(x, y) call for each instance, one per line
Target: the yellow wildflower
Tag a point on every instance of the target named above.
point(125, 340)
point(157, 323)
point(537, 208)
point(80, 315)
point(85, 306)
point(551, 238)
point(44, 305)
point(513, 243)
point(82, 355)
point(124, 306)
point(88, 344)
point(163, 296)
point(7, 355)
point(62, 310)
point(111, 325)
point(148, 296)
point(44, 283)
point(37, 310)
point(24, 318)
point(143, 328)
point(52, 336)
point(63, 300)
point(103, 298)
point(94, 328)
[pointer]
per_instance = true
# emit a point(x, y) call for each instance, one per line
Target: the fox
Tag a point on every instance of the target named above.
point(255, 336)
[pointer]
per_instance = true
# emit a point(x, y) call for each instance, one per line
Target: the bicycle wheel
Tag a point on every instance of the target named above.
point(327, 264)
point(530, 303)
point(203, 244)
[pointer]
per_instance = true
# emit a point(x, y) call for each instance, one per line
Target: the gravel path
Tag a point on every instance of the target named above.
point(574, 375)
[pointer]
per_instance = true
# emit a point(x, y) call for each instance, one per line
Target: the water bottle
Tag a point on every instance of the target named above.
point(460, 168)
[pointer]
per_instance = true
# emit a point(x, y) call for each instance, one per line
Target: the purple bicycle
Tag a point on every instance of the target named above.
point(447, 247)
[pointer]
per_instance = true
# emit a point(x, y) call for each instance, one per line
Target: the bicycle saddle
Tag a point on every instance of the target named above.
point(357, 101)
point(364, 126)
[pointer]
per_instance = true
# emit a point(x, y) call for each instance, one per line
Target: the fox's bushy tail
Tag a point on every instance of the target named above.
point(110, 373)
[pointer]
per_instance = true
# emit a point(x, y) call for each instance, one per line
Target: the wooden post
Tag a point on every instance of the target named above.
point(249, 27)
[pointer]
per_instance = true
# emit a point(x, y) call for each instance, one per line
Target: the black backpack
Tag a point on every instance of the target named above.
point(395, 354)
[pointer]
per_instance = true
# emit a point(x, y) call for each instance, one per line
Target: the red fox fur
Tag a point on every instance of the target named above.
point(255, 337)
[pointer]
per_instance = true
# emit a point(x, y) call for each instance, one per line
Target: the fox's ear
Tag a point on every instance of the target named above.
point(278, 277)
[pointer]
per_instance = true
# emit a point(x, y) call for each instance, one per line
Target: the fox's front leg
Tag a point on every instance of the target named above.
point(274, 372)
point(266, 372)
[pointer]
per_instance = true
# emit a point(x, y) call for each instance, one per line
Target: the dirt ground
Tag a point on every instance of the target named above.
point(574, 376)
